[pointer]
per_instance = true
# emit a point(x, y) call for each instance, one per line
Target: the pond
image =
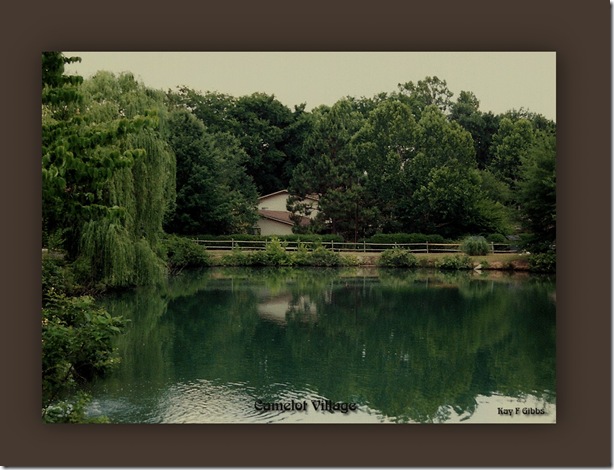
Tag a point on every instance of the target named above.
point(248, 345)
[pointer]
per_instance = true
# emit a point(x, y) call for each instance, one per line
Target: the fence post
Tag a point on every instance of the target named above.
point(492, 246)
point(332, 245)
point(427, 246)
point(232, 243)
point(364, 246)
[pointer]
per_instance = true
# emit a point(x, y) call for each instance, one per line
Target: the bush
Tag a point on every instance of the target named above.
point(55, 277)
point(237, 257)
point(323, 257)
point(184, 253)
point(475, 246)
point(76, 347)
point(76, 343)
point(543, 262)
point(454, 262)
point(398, 258)
point(275, 254)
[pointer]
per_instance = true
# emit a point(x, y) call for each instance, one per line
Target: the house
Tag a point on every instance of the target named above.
point(274, 215)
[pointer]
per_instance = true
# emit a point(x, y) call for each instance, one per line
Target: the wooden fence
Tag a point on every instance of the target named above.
point(364, 247)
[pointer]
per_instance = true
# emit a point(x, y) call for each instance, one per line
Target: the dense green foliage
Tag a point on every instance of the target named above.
point(108, 178)
point(393, 170)
point(398, 258)
point(537, 197)
point(268, 132)
point(454, 262)
point(543, 262)
point(76, 344)
point(474, 246)
point(213, 191)
point(184, 253)
point(275, 254)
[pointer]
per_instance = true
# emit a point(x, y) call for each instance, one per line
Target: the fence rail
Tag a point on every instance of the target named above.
point(365, 247)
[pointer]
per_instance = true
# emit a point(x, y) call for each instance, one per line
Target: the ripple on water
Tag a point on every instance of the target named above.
point(204, 401)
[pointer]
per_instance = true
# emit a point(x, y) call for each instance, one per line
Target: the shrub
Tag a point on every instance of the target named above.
point(236, 258)
point(323, 257)
point(543, 262)
point(398, 258)
point(475, 246)
point(275, 254)
point(454, 262)
point(54, 277)
point(302, 255)
point(183, 253)
point(76, 347)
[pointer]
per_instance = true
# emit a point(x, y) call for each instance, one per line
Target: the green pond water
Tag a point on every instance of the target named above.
point(334, 346)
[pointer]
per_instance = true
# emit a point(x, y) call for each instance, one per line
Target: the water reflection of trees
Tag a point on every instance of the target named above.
point(411, 344)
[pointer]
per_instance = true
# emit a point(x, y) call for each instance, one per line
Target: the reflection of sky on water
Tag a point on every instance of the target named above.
point(203, 402)
point(488, 411)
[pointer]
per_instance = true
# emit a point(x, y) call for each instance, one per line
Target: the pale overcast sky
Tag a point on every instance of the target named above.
point(501, 80)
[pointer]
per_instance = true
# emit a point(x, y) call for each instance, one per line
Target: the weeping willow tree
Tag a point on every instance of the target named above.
point(122, 248)
point(109, 179)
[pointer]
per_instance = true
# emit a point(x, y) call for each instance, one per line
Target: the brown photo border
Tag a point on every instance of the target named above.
point(579, 33)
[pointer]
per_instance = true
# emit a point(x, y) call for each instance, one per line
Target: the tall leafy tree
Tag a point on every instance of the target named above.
point(537, 194)
point(510, 146)
point(214, 194)
point(432, 91)
point(266, 129)
point(108, 178)
point(445, 193)
point(481, 126)
point(331, 170)
point(385, 144)
point(263, 122)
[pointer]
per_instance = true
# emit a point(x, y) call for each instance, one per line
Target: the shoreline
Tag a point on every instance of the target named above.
point(490, 262)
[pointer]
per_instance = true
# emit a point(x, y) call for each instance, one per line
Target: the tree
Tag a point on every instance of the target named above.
point(214, 194)
point(108, 179)
point(481, 126)
point(444, 191)
point(330, 170)
point(431, 91)
point(264, 122)
point(266, 129)
point(537, 195)
point(510, 146)
point(385, 144)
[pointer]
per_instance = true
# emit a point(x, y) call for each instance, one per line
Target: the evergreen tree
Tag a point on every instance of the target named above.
point(214, 193)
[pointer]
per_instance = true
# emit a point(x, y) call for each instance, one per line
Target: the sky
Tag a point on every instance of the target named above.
point(500, 80)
